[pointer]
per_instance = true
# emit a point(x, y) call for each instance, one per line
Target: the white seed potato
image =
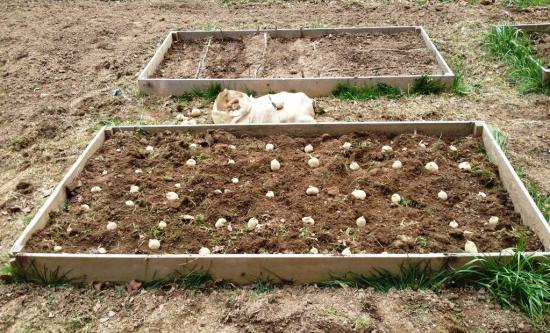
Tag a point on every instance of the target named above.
point(453, 224)
point(104, 172)
point(397, 165)
point(275, 165)
point(308, 149)
point(101, 250)
point(134, 189)
point(193, 146)
point(232, 147)
point(57, 248)
point(95, 189)
point(493, 220)
point(85, 207)
point(313, 162)
point(470, 247)
point(252, 223)
point(235, 180)
point(154, 244)
point(312, 190)
point(218, 191)
point(482, 194)
point(172, 196)
point(188, 217)
point(226, 190)
point(177, 185)
point(308, 220)
point(422, 144)
point(354, 166)
point(138, 171)
point(269, 147)
point(346, 145)
point(162, 225)
point(359, 194)
point(195, 112)
point(230, 162)
point(452, 148)
point(346, 251)
point(204, 251)
point(191, 162)
point(431, 166)
point(149, 149)
point(220, 223)
point(129, 203)
point(442, 195)
point(111, 226)
point(314, 250)
point(465, 166)
point(270, 194)
point(386, 149)
point(361, 221)
point(396, 198)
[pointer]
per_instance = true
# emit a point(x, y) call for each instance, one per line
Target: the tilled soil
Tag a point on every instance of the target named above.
point(347, 55)
point(542, 47)
point(420, 223)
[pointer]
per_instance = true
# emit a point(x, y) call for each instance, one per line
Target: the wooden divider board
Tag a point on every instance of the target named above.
point(310, 86)
point(245, 268)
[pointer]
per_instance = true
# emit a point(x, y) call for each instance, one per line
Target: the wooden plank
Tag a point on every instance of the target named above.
point(239, 269)
point(439, 58)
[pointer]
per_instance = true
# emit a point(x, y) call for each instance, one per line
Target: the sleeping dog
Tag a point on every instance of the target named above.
point(234, 107)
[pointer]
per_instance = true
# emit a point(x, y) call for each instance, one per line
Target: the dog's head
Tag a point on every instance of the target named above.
point(230, 104)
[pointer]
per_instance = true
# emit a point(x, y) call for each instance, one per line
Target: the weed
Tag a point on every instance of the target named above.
point(209, 94)
point(362, 322)
point(459, 87)
point(500, 138)
point(486, 175)
point(262, 286)
point(522, 280)
point(27, 219)
point(421, 241)
point(166, 178)
point(409, 203)
point(425, 85)
point(199, 219)
point(106, 121)
point(192, 280)
point(78, 323)
point(350, 92)
point(9, 274)
point(513, 47)
point(19, 142)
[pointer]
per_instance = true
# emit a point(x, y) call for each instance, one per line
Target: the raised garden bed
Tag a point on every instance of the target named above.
point(415, 228)
point(314, 61)
point(539, 34)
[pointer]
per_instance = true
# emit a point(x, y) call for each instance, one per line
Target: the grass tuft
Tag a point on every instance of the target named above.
point(192, 280)
point(262, 286)
point(209, 94)
point(459, 87)
point(9, 274)
point(425, 85)
point(513, 47)
point(522, 280)
point(351, 92)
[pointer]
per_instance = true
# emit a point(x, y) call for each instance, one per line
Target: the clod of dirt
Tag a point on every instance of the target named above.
point(24, 187)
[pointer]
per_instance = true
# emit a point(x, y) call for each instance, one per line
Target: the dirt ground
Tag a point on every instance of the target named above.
point(59, 62)
point(542, 46)
point(420, 224)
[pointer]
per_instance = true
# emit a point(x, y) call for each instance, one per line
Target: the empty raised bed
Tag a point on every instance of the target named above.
point(313, 61)
point(216, 200)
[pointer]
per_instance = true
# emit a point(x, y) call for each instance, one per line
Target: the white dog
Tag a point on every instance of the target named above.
point(234, 107)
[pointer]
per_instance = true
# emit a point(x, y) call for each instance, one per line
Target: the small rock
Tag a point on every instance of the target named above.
point(116, 92)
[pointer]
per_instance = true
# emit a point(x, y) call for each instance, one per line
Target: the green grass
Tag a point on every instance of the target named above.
point(522, 280)
point(459, 87)
point(262, 286)
point(209, 94)
point(514, 48)
point(192, 280)
point(422, 86)
point(528, 3)
point(9, 274)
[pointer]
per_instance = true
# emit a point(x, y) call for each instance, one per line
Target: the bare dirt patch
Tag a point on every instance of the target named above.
point(348, 55)
point(419, 224)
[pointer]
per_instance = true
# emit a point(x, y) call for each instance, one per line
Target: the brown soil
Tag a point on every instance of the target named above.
point(348, 55)
point(542, 47)
point(421, 225)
